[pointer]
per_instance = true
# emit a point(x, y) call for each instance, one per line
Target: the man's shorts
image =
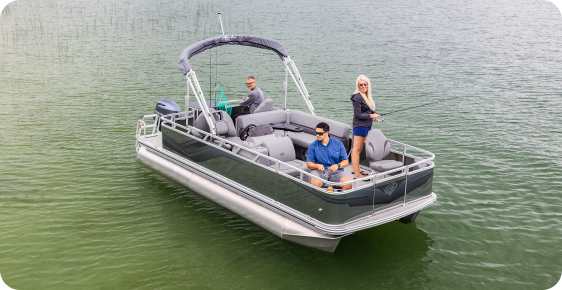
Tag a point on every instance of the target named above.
point(335, 176)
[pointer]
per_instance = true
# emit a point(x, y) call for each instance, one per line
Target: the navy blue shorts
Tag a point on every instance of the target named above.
point(361, 131)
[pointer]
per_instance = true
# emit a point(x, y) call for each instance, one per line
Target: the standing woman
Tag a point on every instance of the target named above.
point(363, 117)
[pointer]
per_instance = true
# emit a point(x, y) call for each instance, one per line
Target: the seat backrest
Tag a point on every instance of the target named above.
point(281, 149)
point(221, 125)
point(228, 120)
point(265, 106)
point(376, 145)
point(275, 116)
point(308, 120)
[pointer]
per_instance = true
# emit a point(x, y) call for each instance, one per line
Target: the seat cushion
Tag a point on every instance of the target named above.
point(280, 149)
point(302, 139)
point(275, 116)
point(308, 120)
point(377, 146)
point(385, 165)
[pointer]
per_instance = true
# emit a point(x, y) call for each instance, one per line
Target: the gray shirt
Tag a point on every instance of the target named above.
point(253, 100)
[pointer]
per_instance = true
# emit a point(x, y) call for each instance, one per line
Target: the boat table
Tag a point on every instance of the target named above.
point(285, 127)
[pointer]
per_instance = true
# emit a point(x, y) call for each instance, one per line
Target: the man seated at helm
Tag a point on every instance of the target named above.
point(254, 98)
point(327, 158)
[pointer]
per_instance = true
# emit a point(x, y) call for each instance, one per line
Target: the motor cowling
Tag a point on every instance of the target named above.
point(167, 107)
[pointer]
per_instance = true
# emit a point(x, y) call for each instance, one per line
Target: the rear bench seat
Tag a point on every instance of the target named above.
point(307, 121)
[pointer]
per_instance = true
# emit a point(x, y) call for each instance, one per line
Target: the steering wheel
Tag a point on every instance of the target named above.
point(246, 132)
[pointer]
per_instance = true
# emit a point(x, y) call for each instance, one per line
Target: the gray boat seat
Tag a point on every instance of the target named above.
point(223, 125)
point(275, 116)
point(377, 148)
point(302, 139)
point(308, 122)
point(282, 149)
point(201, 124)
point(305, 120)
point(265, 106)
point(230, 134)
point(337, 129)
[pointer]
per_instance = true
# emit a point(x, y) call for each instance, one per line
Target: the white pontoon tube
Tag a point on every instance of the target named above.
point(273, 222)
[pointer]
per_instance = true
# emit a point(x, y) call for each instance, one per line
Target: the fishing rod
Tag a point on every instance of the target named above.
point(380, 119)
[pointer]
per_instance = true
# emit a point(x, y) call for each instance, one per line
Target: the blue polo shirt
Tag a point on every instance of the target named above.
point(328, 155)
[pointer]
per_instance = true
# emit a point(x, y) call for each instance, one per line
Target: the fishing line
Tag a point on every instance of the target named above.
point(384, 114)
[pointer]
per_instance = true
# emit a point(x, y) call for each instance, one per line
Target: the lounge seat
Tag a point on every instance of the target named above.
point(377, 148)
point(275, 116)
point(304, 120)
point(301, 139)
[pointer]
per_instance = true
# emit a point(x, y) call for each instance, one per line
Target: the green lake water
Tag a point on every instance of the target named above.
point(77, 211)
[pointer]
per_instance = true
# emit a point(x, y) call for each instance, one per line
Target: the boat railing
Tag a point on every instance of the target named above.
point(218, 142)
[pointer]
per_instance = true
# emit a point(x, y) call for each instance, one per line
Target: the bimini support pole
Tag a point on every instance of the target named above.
point(285, 88)
point(201, 100)
point(187, 102)
point(299, 83)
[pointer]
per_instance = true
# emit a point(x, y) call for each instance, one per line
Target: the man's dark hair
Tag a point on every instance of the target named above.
point(323, 126)
point(251, 77)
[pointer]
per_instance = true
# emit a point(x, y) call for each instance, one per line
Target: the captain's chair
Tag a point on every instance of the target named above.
point(377, 147)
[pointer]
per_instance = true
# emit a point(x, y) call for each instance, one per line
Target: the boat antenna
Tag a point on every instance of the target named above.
point(217, 55)
point(384, 114)
point(220, 20)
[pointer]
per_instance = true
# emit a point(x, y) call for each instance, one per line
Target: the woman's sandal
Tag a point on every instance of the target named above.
point(365, 174)
point(362, 173)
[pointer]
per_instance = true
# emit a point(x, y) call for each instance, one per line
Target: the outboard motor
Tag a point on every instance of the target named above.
point(167, 107)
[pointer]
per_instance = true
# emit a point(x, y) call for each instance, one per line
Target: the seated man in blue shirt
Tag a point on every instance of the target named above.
point(327, 158)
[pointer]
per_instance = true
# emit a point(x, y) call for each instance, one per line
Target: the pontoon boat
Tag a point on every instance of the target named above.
point(256, 166)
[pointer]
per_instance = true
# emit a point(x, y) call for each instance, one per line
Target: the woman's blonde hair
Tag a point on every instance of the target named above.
point(366, 97)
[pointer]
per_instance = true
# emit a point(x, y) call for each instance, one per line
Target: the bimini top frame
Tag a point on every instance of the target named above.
point(245, 40)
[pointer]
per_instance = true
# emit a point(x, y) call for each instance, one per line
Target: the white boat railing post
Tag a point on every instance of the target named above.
point(404, 157)
point(187, 103)
point(158, 121)
point(374, 193)
point(406, 185)
point(276, 177)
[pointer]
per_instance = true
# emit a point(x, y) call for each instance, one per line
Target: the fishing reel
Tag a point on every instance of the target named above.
point(380, 119)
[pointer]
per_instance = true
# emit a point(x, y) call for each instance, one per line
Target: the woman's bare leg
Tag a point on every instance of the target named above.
point(358, 142)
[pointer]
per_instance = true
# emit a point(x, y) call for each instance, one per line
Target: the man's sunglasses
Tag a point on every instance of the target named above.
point(249, 83)
point(320, 133)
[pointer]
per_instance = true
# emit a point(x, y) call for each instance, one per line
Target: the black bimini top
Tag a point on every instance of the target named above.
point(247, 40)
